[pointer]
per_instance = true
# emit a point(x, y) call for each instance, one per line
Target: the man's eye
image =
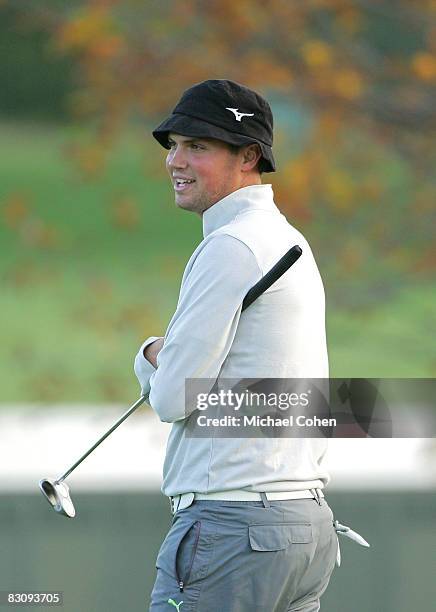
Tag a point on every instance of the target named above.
point(196, 146)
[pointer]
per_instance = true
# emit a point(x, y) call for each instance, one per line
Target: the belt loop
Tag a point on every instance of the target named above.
point(173, 499)
point(265, 501)
point(321, 501)
point(317, 496)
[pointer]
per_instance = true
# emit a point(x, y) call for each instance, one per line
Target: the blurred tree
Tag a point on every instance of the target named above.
point(34, 80)
point(363, 71)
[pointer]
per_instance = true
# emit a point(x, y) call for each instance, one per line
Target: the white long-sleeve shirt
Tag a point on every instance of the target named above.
point(281, 335)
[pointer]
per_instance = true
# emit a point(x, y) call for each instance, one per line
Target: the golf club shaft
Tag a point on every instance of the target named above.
point(122, 418)
point(260, 287)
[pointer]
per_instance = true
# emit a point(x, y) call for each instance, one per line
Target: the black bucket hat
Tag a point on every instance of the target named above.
point(224, 110)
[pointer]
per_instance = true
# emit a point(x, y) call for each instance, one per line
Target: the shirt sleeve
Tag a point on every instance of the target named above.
point(204, 325)
point(143, 368)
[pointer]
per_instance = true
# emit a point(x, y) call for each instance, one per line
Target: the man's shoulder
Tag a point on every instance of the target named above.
point(259, 224)
point(222, 249)
point(226, 244)
point(267, 236)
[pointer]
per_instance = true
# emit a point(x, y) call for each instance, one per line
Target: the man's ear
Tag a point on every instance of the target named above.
point(250, 156)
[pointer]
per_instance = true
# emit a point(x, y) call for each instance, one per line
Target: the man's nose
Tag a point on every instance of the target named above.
point(176, 157)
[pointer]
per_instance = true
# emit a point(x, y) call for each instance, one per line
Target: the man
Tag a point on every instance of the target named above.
point(251, 528)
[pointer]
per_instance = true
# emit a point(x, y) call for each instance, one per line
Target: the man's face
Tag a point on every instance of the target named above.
point(202, 170)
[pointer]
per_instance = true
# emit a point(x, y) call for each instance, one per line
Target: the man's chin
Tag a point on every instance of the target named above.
point(196, 205)
point(185, 203)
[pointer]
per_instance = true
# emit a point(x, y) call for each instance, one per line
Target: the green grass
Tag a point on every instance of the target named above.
point(80, 290)
point(395, 339)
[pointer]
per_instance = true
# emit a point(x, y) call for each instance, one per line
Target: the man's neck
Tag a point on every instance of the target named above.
point(250, 181)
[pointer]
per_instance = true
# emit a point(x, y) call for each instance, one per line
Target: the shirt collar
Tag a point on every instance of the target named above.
point(253, 197)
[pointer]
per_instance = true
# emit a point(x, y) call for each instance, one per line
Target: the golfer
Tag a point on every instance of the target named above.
point(251, 529)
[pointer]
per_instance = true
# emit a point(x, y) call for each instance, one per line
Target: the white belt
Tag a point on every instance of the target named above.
point(180, 502)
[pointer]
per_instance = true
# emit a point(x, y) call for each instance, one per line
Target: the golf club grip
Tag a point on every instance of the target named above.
point(274, 274)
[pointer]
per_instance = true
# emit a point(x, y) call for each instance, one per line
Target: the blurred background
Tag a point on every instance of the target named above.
point(93, 249)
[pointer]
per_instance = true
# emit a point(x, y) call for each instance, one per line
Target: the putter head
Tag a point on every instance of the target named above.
point(58, 496)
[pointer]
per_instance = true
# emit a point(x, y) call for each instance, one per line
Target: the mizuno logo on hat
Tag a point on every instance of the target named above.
point(238, 115)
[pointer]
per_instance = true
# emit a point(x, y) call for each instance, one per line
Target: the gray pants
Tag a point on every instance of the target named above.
point(225, 556)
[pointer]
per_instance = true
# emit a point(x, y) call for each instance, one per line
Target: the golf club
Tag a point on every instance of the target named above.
point(56, 491)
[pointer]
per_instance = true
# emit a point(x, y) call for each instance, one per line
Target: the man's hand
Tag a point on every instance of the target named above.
point(151, 351)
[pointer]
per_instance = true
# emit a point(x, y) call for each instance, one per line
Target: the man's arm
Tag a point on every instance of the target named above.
point(143, 367)
point(151, 351)
point(204, 325)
